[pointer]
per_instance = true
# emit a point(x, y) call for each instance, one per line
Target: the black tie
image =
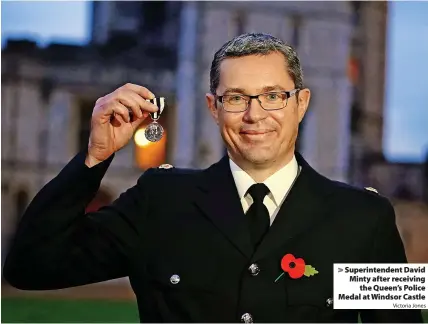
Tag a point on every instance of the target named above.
point(258, 214)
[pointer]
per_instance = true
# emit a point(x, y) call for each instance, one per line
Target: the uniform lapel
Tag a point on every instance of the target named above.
point(303, 208)
point(218, 199)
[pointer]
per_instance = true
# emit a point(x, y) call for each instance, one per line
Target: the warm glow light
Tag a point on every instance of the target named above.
point(149, 154)
point(140, 138)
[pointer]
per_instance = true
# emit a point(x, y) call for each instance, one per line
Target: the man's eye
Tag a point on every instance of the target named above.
point(273, 96)
point(235, 98)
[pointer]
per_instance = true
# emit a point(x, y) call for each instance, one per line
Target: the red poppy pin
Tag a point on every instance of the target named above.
point(296, 268)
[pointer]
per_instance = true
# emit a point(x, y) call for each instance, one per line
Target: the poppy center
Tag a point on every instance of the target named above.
point(292, 264)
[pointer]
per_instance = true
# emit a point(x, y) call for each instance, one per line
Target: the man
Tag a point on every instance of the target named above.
point(207, 246)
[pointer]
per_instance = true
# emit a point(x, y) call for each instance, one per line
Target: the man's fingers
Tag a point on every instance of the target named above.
point(130, 100)
point(148, 106)
point(135, 102)
point(144, 105)
point(142, 91)
point(121, 110)
point(136, 122)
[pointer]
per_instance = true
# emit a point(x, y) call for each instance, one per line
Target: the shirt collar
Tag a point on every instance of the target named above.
point(278, 183)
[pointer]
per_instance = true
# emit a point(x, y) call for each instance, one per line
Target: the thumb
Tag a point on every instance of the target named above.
point(137, 122)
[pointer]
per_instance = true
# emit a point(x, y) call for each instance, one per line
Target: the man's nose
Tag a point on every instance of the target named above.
point(255, 111)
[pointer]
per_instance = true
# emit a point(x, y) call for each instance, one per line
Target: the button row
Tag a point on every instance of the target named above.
point(254, 270)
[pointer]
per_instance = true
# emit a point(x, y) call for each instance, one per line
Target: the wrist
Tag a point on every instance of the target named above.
point(90, 161)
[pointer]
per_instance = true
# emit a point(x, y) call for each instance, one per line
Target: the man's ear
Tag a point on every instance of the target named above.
point(212, 106)
point(303, 102)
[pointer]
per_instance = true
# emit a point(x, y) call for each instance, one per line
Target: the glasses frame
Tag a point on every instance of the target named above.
point(288, 95)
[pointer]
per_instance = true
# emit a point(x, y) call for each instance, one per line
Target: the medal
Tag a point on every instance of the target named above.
point(154, 131)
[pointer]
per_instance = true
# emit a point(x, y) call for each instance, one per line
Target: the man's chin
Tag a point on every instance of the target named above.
point(258, 156)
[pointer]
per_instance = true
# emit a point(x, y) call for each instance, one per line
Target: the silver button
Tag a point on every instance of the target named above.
point(329, 302)
point(175, 279)
point(254, 269)
point(247, 318)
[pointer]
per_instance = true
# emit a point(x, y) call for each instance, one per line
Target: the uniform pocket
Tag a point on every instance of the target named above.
point(184, 272)
point(310, 303)
point(184, 291)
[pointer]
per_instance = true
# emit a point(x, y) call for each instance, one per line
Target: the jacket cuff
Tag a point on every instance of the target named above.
point(77, 170)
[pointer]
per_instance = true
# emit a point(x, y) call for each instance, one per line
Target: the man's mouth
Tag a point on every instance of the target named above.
point(255, 132)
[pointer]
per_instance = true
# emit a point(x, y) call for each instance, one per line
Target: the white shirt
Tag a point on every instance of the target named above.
point(278, 183)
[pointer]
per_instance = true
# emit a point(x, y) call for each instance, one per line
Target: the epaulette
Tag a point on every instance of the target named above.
point(165, 166)
point(172, 170)
point(371, 189)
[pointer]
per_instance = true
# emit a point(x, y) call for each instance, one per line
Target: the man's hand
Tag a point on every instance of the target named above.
point(112, 126)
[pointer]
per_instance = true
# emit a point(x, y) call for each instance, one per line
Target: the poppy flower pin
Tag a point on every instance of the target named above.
point(295, 267)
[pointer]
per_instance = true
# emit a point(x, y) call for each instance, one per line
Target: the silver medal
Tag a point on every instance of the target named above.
point(154, 131)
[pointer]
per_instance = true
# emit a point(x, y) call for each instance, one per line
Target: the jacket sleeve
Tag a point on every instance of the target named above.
point(56, 245)
point(388, 248)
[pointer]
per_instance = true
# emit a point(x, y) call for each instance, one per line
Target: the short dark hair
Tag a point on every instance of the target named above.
point(256, 44)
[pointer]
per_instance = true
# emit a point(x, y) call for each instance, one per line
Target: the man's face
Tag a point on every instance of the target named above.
point(258, 136)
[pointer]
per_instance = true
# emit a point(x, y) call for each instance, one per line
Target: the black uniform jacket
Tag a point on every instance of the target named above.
point(182, 239)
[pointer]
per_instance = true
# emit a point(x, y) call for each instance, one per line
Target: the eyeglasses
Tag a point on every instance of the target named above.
point(268, 101)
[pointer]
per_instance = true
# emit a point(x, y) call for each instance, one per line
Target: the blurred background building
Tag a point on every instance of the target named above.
point(48, 94)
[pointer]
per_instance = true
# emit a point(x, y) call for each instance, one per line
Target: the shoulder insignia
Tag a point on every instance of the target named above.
point(371, 189)
point(165, 166)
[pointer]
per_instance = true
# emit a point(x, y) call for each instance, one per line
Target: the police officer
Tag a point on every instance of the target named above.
point(252, 238)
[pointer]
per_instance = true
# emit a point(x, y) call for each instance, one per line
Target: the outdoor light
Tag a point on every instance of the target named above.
point(140, 138)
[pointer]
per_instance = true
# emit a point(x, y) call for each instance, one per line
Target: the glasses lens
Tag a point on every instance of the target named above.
point(234, 103)
point(273, 100)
